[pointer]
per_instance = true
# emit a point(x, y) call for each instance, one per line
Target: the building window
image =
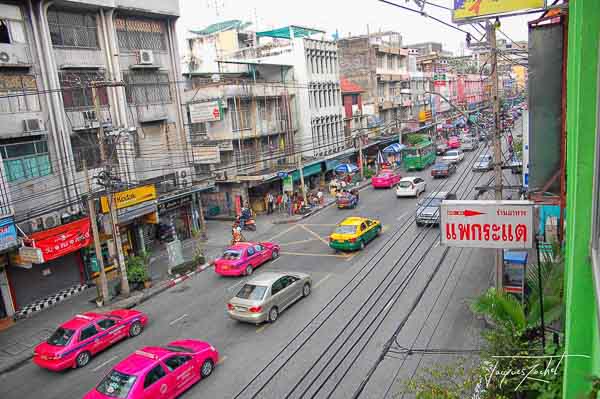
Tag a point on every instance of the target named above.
point(241, 116)
point(140, 34)
point(77, 91)
point(86, 147)
point(18, 93)
point(198, 131)
point(380, 61)
point(69, 29)
point(25, 159)
point(12, 28)
point(390, 62)
point(147, 87)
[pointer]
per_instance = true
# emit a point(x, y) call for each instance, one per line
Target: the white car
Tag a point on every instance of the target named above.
point(453, 156)
point(410, 187)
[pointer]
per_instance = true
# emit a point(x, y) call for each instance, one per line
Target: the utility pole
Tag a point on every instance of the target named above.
point(120, 258)
point(360, 156)
point(103, 286)
point(496, 143)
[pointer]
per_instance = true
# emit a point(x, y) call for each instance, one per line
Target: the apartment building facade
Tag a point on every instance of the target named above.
point(86, 83)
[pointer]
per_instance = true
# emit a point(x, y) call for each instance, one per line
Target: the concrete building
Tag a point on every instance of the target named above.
point(427, 48)
point(51, 54)
point(355, 121)
point(378, 63)
point(316, 72)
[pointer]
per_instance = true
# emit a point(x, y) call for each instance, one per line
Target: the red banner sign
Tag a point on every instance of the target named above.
point(62, 240)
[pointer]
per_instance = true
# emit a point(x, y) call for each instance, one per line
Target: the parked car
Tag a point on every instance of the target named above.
point(347, 199)
point(411, 186)
point(453, 156)
point(158, 371)
point(268, 294)
point(428, 209)
point(482, 136)
point(483, 163)
point(385, 179)
point(354, 233)
point(75, 342)
point(441, 148)
point(243, 257)
point(469, 144)
point(453, 143)
point(516, 165)
point(443, 169)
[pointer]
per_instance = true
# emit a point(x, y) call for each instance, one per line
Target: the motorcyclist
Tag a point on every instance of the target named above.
point(236, 233)
point(245, 215)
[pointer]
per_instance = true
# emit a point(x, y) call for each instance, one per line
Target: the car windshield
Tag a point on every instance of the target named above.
point(431, 202)
point(451, 153)
point(252, 292)
point(231, 255)
point(116, 384)
point(61, 337)
point(345, 229)
point(405, 184)
point(483, 158)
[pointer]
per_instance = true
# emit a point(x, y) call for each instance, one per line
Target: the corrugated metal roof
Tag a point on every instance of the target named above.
point(221, 27)
point(285, 32)
point(350, 87)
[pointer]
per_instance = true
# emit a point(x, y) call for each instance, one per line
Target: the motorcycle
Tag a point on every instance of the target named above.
point(247, 224)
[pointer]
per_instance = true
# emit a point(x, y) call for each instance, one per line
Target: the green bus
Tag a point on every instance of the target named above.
point(418, 156)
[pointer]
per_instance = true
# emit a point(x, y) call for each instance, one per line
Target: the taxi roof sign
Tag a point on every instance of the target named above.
point(146, 354)
point(82, 316)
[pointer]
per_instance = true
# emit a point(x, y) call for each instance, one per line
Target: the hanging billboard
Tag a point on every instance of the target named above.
point(468, 10)
point(209, 111)
point(487, 224)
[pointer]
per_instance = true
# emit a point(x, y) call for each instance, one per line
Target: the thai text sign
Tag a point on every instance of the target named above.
point(209, 111)
point(470, 9)
point(127, 198)
point(61, 240)
point(8, 233)
point(487, 224)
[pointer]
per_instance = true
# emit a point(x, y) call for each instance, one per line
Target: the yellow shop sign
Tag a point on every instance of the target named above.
point(125, 199)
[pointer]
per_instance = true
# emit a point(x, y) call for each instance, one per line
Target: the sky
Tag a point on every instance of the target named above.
point(347, 17)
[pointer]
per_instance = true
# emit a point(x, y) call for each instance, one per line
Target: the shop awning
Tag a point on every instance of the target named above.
point(331, 164)
point(394, 148)
point(307, 171)
point(346, 168)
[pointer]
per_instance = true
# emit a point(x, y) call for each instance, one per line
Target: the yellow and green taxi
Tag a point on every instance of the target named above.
point(354, 233)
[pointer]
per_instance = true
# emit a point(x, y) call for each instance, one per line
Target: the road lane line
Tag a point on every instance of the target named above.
point(275, 260)
point(402, 216)
point(310, 254)
point(388, 305)
point(236, 284)
point(322, 280)
point(221, 360)
point(183, 316)
point(297, 242)
point(349, 257)
point(315, 235)
point(103, 364)
point(317, 224)
point(437, 244)
point(282, 233)
point(262, 328)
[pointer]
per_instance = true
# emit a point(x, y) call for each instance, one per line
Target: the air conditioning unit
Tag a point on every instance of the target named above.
point(89, 117)
point(145, 57)
point(184, 178)
point(165, 187)
point(51, 220)
point(33, 125)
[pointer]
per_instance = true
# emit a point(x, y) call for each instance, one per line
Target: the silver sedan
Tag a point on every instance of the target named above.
point(266, 295)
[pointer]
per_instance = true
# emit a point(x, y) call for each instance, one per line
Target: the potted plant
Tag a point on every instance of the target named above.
point(137, 271)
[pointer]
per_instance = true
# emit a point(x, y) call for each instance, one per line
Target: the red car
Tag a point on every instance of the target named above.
point(243, 257)
point(158, 371)
point(453, 143)
point(385, 179)
point(75, 342)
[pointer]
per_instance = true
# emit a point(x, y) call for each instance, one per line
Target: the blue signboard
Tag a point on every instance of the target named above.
point(8, 233)
point(282, 175)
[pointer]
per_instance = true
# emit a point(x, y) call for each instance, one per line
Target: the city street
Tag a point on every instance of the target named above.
point(358, 300)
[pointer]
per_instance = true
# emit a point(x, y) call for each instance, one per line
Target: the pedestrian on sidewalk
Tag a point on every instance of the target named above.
point(278, 202)
point(320, 197)
point(266, 200)
point(285, 201)
point(270, 202)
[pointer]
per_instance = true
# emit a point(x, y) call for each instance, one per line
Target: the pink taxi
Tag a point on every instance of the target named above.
point(243, 257)
point(385, 179)
point(75, 342)
point(453, 143)
point(158, 371)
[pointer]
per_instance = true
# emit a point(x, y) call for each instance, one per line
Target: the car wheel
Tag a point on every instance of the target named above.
point(419, 224)
point(306, 290)
point(362, 245)
point(135, 329)
point(273, 314)
point(83, 359)
point(249, 270)
point(275, 254)
point(207, 368)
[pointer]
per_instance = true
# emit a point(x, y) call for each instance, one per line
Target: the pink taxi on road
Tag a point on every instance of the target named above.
point(385, 179)
point(243, 257)
point(75, 342)
point(453, 143)
point(158, 372)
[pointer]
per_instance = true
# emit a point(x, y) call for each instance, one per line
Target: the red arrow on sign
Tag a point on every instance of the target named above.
point(466, 212)
point(216, 113)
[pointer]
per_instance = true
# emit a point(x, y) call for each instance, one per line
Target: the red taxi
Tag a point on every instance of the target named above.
point(158, 371)
point(242, 258)
point(453, 143)
point(385, 179)
point(75, 342)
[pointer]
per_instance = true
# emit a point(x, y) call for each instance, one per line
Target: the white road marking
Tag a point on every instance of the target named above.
point(183, 316)
point(103, 364)
point(275, 260)
point(236, 284)
point(402, 216)
point(222, 359)
point(437, 244)
point(388, 305)
point(322, 280)
point(262, 328)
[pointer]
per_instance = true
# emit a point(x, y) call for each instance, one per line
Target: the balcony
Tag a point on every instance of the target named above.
point(86, 118)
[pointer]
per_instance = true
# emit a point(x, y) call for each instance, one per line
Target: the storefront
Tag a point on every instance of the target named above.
point(311, 174)
point(8, 240)
point(178, 211)
point(49, 262)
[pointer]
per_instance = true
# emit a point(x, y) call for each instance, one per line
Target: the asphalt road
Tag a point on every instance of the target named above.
point(325, 343)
